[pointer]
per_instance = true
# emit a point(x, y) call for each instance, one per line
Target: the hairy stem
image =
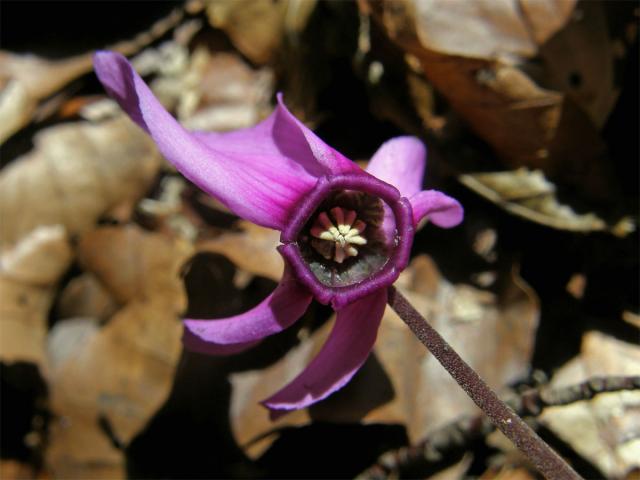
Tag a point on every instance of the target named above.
point(547, 461)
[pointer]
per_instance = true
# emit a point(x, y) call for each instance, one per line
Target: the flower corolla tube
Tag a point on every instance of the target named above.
point(346, 233)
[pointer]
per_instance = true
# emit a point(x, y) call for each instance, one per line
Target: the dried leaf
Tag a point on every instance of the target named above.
point(85, 296)
point(27, 80)
point(134, 265)
point(28, 274)
point(122, 372)
point(76, 173)
point(603, 430)
point(491, 29)
point(478, 66)
point(528, 194)
point(580, 60)
point(232, 94)
point(252, 249)
point(501, 103)
point(257, 27)
point(15, 470)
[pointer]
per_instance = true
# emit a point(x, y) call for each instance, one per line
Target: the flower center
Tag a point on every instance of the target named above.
point(349, 236)
point(335, 240)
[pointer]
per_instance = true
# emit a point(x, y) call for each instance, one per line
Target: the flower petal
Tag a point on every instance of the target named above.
point(278, 311)
point(260, 173)
point(442, 210)
point(400, 162)
point(345, 351)
point(193, 343)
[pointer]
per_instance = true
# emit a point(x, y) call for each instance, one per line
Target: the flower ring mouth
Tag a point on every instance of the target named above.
point(342, 236)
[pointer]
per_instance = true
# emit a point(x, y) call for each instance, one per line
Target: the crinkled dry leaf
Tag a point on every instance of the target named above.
point(252, 249)
point(26, 80)
point(580, 60)
point(134, 265)
point(76, 173)
point(527, 125)
point(508, 473)
point(15, 470)
point(85, 296)
point(488, 28)
point(29, 79)
point(517, 117)
point(401, 378)
point(530, 195)
point(232, 94)
point(28, 274)
point(257, 27)
point(122, 372)
point(604, 430)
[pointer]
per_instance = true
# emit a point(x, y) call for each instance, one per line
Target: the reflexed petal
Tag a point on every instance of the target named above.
point(193, 343)
point(440, 209)
point(345, 351)
point(400, 162)
point(278, 311)
point(260, 173)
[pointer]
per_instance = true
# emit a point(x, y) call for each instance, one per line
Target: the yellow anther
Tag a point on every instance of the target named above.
point(346, 233)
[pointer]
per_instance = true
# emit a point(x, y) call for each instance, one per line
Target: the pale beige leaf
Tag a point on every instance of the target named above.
point(252, 249)
point(85, 296)
point(27, 80)
point(123, 371)
point(486, 29)
point(28, 274)
point(257, 27)
point(75, 173)
point(603, 430)
point(528, 194)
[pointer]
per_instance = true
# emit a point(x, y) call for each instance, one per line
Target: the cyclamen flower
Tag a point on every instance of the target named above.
point(346, 233)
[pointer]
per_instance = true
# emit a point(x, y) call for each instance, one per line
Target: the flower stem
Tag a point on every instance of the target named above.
point(547, 461)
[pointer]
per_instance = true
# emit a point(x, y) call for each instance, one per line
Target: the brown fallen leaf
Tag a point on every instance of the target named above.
point(135, 265)
point(466, 51)
point(507, 473)
point(528, 194)
point(604, 430)
point(28, 275)
point(76, 173)
point(120, 373)
point(27, 80)
point(257, 27)
point(488, 29)
point(84, 296)
point(402, 383)
point(252, 249)
point(580, 59)
point(476, 55)
point(15, 470)
point(232, 94)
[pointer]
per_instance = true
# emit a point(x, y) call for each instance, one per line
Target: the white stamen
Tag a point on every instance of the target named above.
point(346, 233)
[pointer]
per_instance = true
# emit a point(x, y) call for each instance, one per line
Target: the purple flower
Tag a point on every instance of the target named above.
point(346, 233)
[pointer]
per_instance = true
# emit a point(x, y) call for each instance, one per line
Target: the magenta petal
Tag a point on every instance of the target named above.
point(278, 311)
point(400, 162)
point(345, 351)
point(260, 173)
point(193, 343)
point(442, 210)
